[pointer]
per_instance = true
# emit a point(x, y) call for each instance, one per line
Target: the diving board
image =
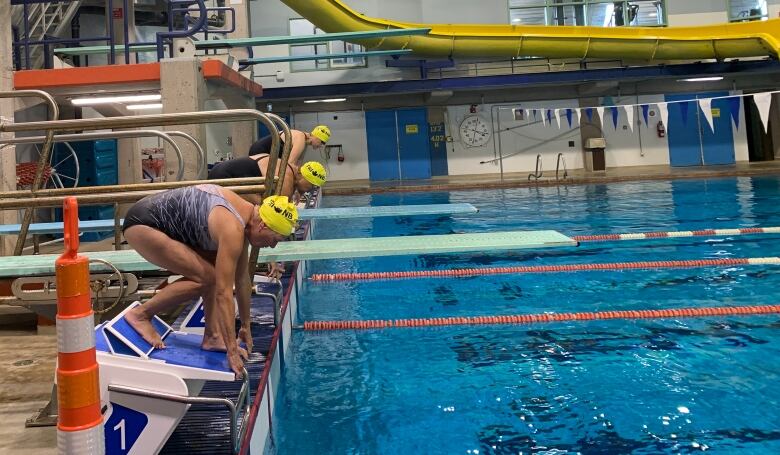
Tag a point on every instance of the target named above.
point(130, 261)
point(388, 210)
point(305, 214)
point(417, 244)
point(43, 264)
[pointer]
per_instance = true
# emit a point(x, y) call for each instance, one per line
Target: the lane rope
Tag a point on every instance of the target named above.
point(675, 234)
point(541, 318)
point(694, 263)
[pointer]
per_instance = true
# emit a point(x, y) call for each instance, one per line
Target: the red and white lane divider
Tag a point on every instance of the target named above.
point(544, 317)
point(323, 277)
point(675, 234)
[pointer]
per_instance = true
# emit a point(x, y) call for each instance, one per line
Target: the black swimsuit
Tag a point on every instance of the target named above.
point(237, 168)
point(182, 214)
point(263, 145)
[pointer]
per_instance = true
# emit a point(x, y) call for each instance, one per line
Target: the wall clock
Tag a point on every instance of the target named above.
point(474, 131)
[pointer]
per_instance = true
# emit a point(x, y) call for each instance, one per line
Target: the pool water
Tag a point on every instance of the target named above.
point(612, 387)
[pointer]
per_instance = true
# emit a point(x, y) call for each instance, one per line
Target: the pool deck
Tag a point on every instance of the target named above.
point(26, 374)
point(575, 177)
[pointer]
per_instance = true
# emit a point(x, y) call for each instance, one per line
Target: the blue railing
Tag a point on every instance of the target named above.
point(23, 42)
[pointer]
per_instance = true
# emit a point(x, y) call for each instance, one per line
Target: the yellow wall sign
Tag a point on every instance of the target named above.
point(412, 129)
point(715, 112)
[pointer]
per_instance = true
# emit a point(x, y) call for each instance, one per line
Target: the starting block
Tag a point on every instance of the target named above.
point(145, 391)
point(195, 321)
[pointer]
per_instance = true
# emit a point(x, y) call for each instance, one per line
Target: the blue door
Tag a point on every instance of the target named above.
point(718, 145)
point(383, 162)
point(414, 144)
point(683, 131)
point(398, 144)
point(691, 141)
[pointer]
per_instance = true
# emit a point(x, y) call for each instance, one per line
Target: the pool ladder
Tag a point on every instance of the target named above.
point(538, 172)
point(561, 161)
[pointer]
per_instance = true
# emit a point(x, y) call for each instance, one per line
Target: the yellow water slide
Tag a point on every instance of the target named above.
point(736, 40)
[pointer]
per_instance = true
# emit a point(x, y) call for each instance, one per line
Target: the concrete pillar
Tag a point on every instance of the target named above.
point(774, 124)
point(589, 129)
point(183, 89)
point(243, 134)
point(8, 155)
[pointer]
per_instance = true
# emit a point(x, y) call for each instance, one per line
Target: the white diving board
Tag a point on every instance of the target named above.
point(415, 244)
point(130, 261)
point(305, 214)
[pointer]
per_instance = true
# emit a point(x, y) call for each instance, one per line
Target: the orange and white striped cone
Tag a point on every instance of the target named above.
point(80, 423)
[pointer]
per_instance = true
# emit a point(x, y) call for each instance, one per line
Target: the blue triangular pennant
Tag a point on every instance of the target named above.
point(589, 113)
point(734, 107)
point(549, 116)
point(645, 110)
point(568, 116)
point(614, 110)
point(684, 106)
point(536, 114)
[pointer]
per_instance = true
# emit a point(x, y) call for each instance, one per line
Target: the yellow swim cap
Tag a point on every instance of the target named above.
point(279, 214)
point(322, 133)
point(314, 173)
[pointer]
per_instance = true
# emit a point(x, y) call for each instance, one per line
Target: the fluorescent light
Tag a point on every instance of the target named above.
point(701, 79)
point(517, 19)
point(327, 100)
point(653, 14)
point(90, 101)
point(140, 107)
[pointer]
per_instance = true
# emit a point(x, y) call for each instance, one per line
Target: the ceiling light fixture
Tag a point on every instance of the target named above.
point(141, 107)
point(327, 100)
point(91, 101)
point(702, 79)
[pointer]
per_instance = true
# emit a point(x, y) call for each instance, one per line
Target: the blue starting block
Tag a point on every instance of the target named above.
point(146, 391)
point(195, 321)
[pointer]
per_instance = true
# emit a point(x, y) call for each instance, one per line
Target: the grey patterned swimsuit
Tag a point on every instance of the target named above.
point(182, 214)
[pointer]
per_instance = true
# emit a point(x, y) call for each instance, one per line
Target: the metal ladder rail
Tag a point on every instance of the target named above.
point(538, 172)
point(561, 160)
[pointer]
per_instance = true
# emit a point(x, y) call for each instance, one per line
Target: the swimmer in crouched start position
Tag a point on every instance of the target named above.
point(201, 232)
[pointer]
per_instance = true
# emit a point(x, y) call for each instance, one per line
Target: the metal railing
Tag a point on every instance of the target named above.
point(166, 136)
point(182, 118)
point(561, 161)
point(538, 172)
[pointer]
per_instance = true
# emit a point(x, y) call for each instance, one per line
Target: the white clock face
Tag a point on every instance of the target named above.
point(474, 131)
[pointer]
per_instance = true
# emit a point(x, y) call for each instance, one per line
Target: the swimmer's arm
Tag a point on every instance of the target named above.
point(243, 286)
point(298, 148)
point(231, 242)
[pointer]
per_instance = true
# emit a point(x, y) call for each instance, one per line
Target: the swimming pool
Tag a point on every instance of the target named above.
point(645, 386)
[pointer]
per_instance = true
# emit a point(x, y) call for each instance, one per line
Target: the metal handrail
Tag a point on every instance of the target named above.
point(538, 172)
point(54, 113)
point(105, 198)
point(198, 147)
point(237, 182)
point(561, 159)
point(237, 430)
point(166, 136)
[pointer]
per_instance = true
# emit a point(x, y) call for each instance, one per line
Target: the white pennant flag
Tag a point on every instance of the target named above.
point(630, 116)
point(558, 118)
point(579, 116)
point(544, 117)
point(663, 111)
point(706, 107)
point(527, 114)
point(600, 111)
point(763, 103)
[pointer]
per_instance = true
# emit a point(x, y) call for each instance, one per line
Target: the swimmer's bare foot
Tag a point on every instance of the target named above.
point(142, 324)
point(213, 343)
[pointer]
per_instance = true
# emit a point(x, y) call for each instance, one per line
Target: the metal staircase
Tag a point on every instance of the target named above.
point(44, 19)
